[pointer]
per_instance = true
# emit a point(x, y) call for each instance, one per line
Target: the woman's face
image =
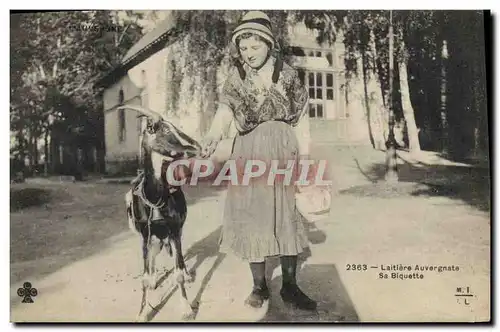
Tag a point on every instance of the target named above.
point(254, 51)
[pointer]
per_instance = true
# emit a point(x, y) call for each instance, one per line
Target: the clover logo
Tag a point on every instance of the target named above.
point(27, 292)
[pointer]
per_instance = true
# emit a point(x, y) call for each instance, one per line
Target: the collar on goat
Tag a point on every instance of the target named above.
point(139, 192)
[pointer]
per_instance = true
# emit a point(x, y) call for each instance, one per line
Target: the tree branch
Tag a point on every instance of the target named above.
point(125, 30)
point(123, 33)
point(42, 72)
point(54, 69)
point(107, 62)
point(81, 86)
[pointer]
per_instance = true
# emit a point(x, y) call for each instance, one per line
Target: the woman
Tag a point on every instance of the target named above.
point(267, 102)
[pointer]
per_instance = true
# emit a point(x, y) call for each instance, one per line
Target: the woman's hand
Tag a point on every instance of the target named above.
point(208, 146)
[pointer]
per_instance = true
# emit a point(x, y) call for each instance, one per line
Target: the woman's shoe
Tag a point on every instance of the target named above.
point(257, 297)
point(293, 296)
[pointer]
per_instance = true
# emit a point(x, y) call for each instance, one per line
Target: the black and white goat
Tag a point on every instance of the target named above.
point(155, 209)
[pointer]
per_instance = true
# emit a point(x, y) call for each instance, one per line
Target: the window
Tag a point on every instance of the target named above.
point(121, 125)
point(319, 110)
point(312, 110)
point(318, 53)
point(302, 75)
point(326, 53)
point(319, 86)
point(329, 80)
point(329, 86)
point(316, 95)
point(311, 79)
point(121, 97)
point(316, 110)
point(329, 57)
point(319, 93)
point(329, 94)
point(315, 85)
point(121, 118)
point(312, 92)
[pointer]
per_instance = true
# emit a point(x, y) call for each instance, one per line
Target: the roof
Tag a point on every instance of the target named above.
point(149, 38)
point(164, 33)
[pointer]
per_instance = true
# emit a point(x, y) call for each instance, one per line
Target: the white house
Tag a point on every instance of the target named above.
point(144, 78)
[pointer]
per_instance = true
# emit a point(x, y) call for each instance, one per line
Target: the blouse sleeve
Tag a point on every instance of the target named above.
point(224, 123)
point(229, 94)
point(232, 97)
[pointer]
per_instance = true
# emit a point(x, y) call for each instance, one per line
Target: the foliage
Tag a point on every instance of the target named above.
point(57, 57)
point(418, 37)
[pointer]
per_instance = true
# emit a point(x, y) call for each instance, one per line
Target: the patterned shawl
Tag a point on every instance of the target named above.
point(253, 103)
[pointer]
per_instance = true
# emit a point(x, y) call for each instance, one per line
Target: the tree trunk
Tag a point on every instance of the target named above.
point(444, 95)
point(479, 89)
point(381, 108)
point(484, 133)
point(30, 150)
point(54, 153)
point(46, 151)
point(475, 116)
point(22, 148)
point(408, 110)
point(367, 101)
point(372, 94)
point(391, 174)
point(35, 152)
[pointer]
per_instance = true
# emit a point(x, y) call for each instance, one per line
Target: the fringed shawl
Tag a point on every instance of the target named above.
point(253, 103)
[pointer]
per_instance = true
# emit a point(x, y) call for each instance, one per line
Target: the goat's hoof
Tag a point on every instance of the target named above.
point(141, 318)
point(188, 315)
point(149, 281)
point(183, 276)
point(188, 276)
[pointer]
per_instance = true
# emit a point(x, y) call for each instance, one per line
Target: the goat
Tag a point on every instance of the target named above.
point(155, 209)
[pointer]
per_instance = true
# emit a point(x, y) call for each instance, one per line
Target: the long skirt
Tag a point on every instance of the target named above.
point(261, 218)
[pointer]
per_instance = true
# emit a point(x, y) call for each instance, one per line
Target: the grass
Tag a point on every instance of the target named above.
point(21, 198)
point(61, 223)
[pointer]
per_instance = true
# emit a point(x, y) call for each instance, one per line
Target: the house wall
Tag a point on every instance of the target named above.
point(121, 156)
point(156, 72)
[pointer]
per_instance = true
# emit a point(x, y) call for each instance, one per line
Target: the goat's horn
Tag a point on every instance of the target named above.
point(146, 111)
